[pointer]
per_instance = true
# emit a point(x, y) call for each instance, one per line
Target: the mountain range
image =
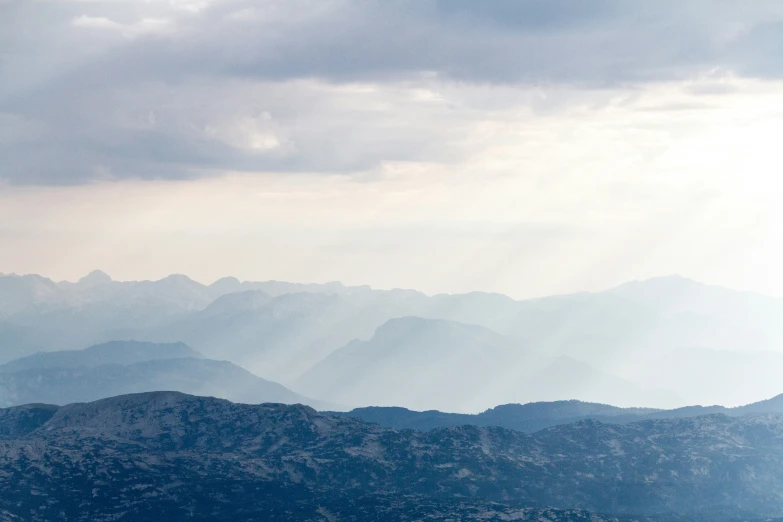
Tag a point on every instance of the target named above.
point(166, 455)
point(435, 363)
point(663, 343)
point(536, 416)
point(115, 352)
point(118, 368)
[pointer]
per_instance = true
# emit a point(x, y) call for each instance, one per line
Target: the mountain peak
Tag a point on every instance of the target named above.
point(413, 327)
point(179, 280)
point(238, 302)
point(671, 280)
point(227, 282)
point(112, 352)
point(96, 277)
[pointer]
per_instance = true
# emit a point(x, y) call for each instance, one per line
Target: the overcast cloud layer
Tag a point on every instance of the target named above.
point(180, 89)
point(530, 146)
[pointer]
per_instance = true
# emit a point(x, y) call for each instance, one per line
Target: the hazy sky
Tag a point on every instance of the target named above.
point(521, 146)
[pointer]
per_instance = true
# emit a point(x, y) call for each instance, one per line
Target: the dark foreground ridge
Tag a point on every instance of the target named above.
point(170, 456)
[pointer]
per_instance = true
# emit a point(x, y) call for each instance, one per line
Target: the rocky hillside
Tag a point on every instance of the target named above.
point(174, 456)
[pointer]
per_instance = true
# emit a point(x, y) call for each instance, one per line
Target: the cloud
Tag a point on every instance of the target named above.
point(179, 89)
point(96, 22)
point(594, 42)
point(142, 27)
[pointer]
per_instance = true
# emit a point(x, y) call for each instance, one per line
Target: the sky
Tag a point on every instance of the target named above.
point(526, 147)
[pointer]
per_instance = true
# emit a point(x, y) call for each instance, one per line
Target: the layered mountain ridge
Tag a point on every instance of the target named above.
point(662, 343)
point(536, 416)
point(123, 367)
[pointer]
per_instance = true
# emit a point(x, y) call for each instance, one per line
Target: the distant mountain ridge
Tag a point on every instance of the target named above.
point(532, 417)
point(32, 292)
point(664, 342)
point(407, 355)
point(114, 352)
point(119, 368)
point(421, 363)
